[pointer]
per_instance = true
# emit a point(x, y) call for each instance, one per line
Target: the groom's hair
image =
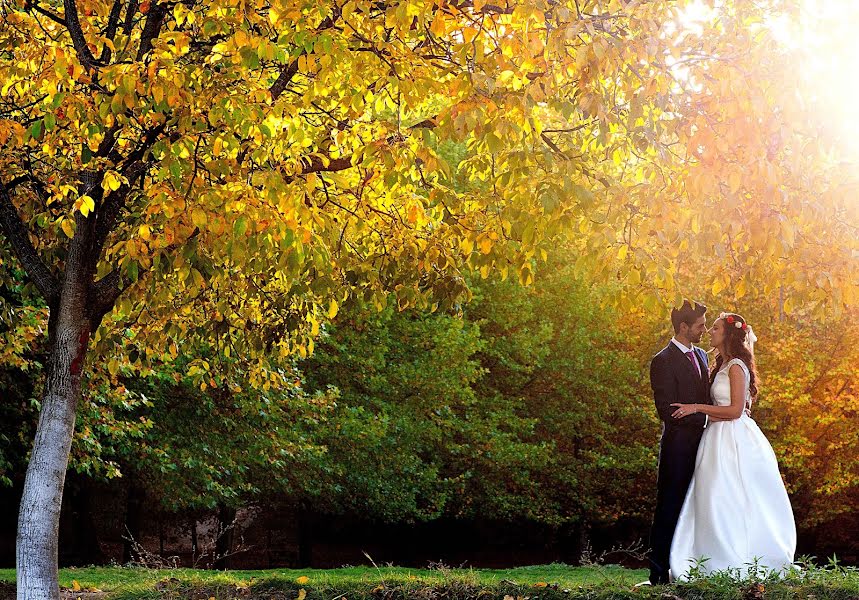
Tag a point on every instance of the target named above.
point(688, 313)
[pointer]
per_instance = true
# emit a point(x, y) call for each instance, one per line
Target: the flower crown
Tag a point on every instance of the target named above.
point(731, 320)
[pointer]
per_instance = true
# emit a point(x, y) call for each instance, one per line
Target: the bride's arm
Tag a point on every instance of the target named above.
point(738, 400)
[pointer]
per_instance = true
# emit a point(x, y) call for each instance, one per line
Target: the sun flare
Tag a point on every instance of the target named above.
point(821, 34)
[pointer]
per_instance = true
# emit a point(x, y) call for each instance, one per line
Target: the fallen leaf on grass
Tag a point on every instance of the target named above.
point(303, 579)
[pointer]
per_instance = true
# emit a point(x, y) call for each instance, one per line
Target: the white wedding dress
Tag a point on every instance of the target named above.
point(736, 511)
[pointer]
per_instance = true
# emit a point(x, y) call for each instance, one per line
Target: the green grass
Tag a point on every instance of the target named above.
point(547, 582)
point(122, 578)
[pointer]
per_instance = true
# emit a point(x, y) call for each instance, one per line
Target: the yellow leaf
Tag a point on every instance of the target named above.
point(75, 585)
point(198, 216)
point(87, 205)
point(718, 286)
point(438, 27)
point(696, 224)
point(788, 306)
point(485, 245)
point(302, 594)
point(541, 584)
point(111, 181)
point(68, 227)
point(302, 580)
point(332, 309)
point(145, 232)
point(525, 276)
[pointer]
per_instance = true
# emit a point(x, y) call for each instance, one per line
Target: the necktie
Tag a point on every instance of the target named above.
point(691, 356)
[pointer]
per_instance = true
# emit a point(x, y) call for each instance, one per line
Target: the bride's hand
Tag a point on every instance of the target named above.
point(684, 410)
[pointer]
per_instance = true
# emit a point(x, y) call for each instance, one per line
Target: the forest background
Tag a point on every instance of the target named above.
point(520, 431)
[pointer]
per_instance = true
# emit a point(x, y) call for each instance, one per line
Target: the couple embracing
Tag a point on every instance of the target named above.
point(720, 502)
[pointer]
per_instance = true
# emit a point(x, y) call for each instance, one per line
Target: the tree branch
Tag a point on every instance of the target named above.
point(316, 164)
point(73, 24)
point(16, 234)
point(110, 33)
point(55, 18)
point(286, 75)
point(151, 29)
point(135, 166)
point(129, 17)
point(107, 290)
point(553, 146)
point(108, 213)
point(289, 71)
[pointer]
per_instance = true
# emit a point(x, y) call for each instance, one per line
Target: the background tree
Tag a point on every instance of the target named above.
point(410, 439)
point(567, 361)
point(809, 409)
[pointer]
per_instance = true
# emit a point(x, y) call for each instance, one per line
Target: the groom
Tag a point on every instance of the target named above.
point(678, 373)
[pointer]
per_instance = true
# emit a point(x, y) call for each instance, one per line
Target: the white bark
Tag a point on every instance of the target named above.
point(39, 516)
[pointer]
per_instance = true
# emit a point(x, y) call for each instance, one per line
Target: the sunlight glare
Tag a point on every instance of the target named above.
point(824, 35)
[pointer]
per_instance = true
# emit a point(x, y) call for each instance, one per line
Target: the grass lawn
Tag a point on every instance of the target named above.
point(112, 579)
point(547, 582)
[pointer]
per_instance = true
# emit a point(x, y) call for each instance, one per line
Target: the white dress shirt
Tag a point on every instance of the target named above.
point(686, 350)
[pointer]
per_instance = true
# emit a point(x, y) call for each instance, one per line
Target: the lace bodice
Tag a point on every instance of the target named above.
point(720, 391)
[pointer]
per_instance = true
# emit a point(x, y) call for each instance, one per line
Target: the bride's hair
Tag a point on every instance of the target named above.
point(735, 346)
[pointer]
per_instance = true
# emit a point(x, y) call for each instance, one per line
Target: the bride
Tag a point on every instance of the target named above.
point(736, 513)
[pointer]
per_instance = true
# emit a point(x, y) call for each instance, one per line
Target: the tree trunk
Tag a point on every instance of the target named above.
point(224, 541)
point(71, 321)
point(39, 515)
point(133, 510)
point(83, 531)
point(194, 541)
point(305, 538)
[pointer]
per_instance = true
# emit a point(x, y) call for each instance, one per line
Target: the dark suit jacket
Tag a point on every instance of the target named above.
point(674, 379)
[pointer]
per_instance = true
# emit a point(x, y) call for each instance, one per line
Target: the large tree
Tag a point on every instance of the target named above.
point(234, 170)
